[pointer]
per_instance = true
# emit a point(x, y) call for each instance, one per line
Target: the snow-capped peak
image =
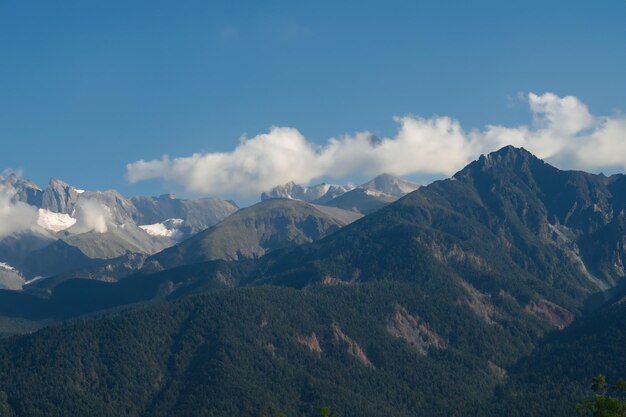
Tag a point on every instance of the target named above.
point(312, 193)
point(390, 185)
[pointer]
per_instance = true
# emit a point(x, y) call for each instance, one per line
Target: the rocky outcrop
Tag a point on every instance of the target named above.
point(310, 342)
point(415, 331)
point(319, 193)
point(550, 312)
point(390, 185)
point(479, 303)
point(197, 214)
point(59, 197)
point(353, 347)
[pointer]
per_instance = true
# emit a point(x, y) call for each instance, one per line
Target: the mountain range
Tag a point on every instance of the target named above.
point(498, 290)
point(77, 228)
point(365, 199)
point(103, 235)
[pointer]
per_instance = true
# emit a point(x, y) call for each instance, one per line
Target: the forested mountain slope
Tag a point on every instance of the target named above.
point(450, 301)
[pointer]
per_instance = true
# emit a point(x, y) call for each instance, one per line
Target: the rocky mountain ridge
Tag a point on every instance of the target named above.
point(365, 198)
point(79, 228)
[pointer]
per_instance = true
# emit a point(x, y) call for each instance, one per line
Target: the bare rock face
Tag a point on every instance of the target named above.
point(26, 191)
point(310, 342)
point(320, 193)
point(390, 185)
point(550, 312)
point(10, 278)
point(59, 197)
point(353, 347)
point(479, 303)
point(197, 214)
point(365, 199)
point(119, 207)
point(415, 331)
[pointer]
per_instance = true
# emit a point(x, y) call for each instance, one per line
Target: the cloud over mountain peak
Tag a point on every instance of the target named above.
point(562, 131)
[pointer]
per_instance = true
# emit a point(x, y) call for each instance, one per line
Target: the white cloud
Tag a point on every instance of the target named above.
point(15, 216)
point(91, 216)
point(563, 131)
point(256, 164)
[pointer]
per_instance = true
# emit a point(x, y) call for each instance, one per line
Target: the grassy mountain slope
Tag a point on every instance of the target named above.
point(256, 230)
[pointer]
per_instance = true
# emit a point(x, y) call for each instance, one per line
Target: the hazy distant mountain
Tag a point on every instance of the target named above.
point(117, 241)
point(15, 249)
point(99, 226)
point(196, 214)
point(61, 198)
point(390, 185)
point(319, 193)
point(90, 249)
point(55, 258)
point(26, 190)
point(365, 198)
point(121, 209)
point(362, 200)
point(253, 231)
point(111, 270)
point(79, 229)
point(249, 233)
point(374, 194)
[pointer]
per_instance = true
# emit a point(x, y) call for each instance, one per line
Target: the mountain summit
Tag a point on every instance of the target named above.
point(365, 199)
point(390, 185)
point(508, 214)
point(319, 193)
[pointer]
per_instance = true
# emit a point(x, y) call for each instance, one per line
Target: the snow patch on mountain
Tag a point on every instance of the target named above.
point(6, 266)
point(384, 185)
point(390, 185)
point(315, 193)
point(54, 222)
point(375, 193)
point(169, 228)
point(10, 278)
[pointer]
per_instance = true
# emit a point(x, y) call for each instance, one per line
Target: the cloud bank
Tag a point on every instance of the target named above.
point(91, 215)
point(562, 131)
point(15, 216)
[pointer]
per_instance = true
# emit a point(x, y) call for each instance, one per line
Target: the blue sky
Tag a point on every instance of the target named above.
point(87, 87)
